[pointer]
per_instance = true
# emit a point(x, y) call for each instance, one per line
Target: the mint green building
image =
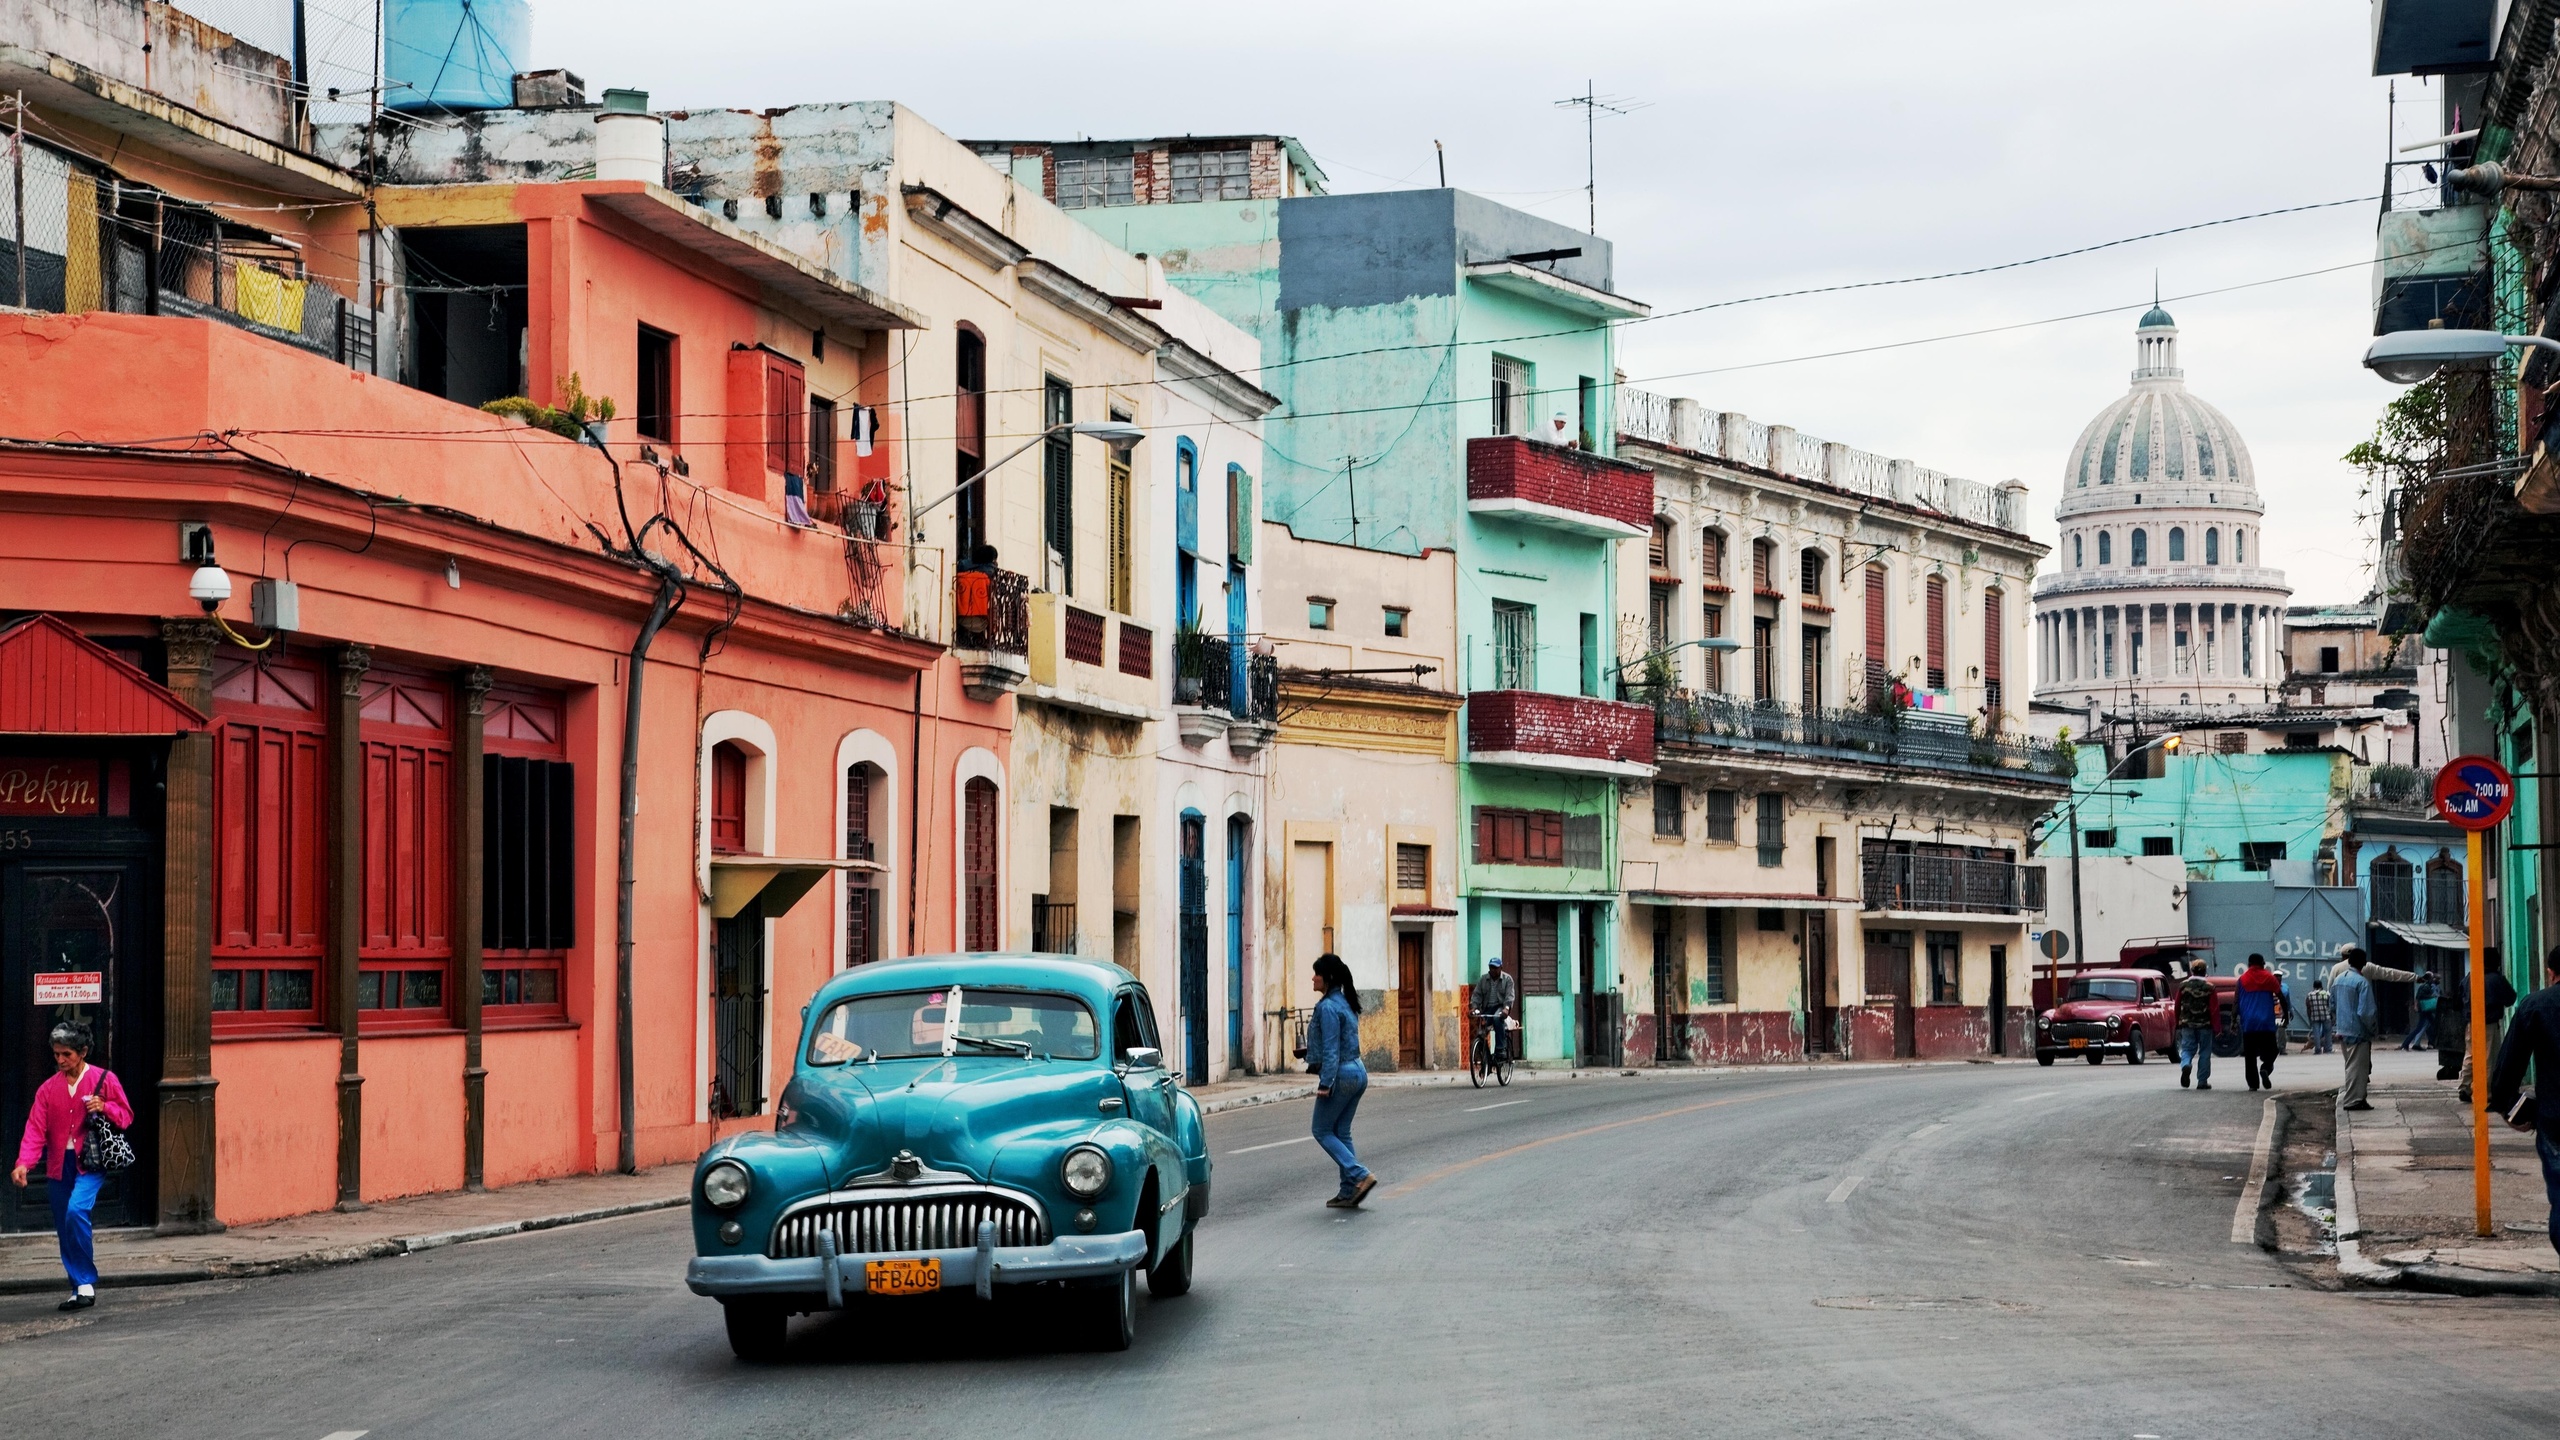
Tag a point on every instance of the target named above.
point(1447, 366)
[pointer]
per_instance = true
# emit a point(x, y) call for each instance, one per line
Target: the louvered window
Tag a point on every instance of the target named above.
point(1937, 633)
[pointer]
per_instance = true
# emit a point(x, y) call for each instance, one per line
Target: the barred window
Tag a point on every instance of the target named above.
point(1666, 810)
point(1720, 808)
point(1773, 829)
point(1719, 976)
point(1582, 842)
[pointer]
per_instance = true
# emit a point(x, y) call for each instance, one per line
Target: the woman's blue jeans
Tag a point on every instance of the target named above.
point(1333, 1123)
point(72, 1198)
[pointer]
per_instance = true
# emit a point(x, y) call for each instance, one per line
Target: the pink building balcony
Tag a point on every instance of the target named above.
point(1575, 733)
point(1562, 489)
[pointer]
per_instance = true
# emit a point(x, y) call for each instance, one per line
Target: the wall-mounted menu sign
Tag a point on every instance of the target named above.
point(49, 786)
point(71, 987)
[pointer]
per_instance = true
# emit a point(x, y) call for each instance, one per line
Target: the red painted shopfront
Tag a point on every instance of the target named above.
point(363, 877)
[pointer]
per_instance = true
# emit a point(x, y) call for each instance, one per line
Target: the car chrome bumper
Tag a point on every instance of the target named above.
point(2094, 1047)
point(1076, 1257)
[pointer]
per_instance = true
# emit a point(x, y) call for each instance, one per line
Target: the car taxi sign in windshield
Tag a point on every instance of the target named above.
point(2474, 792)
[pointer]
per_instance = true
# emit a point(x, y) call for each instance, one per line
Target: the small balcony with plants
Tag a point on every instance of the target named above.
point(991, 631)
point(1222, 687)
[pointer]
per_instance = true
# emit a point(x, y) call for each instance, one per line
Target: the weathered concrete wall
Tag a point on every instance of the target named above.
point(165, 51)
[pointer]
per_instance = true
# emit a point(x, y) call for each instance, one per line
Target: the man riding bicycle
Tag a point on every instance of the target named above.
point(1492, 1000)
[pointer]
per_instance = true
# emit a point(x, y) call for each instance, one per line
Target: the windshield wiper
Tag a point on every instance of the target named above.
point(1009, 1047)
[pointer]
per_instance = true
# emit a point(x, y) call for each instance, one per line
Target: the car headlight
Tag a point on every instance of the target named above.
point(725, 1185)
point(1085, 1172)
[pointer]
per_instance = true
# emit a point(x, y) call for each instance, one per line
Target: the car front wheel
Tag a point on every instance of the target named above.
point(2097, 1057)
point(756, 1330)
point(1171, 1274)
point(1112, 1317)
point(2044, 1057)
point(2133, 1054)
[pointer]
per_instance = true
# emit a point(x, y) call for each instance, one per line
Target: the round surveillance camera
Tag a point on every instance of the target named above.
point(209, 587)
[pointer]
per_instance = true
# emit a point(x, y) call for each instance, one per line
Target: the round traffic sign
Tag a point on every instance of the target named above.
point(2054, 944)
point(2474, 792)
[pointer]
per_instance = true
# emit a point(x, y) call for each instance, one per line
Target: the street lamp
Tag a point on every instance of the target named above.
point(2405, 357)
point(1109, 432)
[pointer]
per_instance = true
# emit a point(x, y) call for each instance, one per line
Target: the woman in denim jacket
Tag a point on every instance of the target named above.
point(1333, 1051)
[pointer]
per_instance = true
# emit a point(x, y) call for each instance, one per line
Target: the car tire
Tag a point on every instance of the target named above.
point(1171, 1274)
point(2133, 1054)
point(1111, 1313)
point(757, 1330)
point(2044, 1058)
point(2097, 1057)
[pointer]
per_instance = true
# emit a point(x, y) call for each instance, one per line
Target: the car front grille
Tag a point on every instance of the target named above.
point(904, 1224)
point(2083, 1030)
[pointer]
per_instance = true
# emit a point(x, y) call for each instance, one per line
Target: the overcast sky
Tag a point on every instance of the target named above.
point(1781, 146)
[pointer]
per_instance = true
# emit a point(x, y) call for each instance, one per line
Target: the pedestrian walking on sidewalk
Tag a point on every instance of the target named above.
point(2320, 1009)
point(57, 1128)
point(2422, 1012)
point(2534, 1039)
point(2357, 1025)
point(2501, 995)
point(2261, 1011)
point(1333, 1048)
point(2195, 1026)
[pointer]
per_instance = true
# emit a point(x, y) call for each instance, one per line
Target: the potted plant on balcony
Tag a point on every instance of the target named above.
point(1188, 658)
point(578, 416)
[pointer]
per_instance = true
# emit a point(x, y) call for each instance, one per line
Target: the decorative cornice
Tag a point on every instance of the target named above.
point(1225, 385)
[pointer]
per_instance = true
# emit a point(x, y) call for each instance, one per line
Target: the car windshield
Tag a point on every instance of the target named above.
point(890, 1027)
point(2100, 990)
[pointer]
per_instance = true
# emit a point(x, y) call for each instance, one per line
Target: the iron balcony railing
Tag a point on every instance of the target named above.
point(1949, 884)
point(1217, 672)
point(1685, 717)
point(1053, 926)
point(1006, 626)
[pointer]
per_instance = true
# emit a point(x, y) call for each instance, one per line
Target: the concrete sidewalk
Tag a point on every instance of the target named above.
point(30, 1264)
point(2406, 1210)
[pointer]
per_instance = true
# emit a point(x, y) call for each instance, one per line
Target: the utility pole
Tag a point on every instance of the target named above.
point(1592, 102)
point(1350, 472)
point(18, 189)
point(1441, 155)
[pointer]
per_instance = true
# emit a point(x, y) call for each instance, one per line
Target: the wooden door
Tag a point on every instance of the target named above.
point(1413, 995)
point(1889, 977)
point(1818, 1010)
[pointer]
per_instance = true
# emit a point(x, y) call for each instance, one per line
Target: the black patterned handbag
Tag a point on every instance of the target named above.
point(104, 1147)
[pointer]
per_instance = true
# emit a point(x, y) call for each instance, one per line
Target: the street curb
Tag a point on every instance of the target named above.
point(2352, 1266)
point(342, 1255)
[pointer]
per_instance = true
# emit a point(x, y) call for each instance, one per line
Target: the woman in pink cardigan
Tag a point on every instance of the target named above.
point(55, 1125)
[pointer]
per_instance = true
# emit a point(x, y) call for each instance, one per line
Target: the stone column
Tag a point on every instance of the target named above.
point(186, 948)
point(472, 689)
point(346, 907)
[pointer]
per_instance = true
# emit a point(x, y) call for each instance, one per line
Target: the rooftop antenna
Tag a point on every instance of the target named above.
point(1592, 103)
point(1443, 157)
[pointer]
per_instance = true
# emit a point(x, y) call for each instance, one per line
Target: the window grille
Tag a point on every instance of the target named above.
point(1773, 829)
point(1097, 180)
point(1212, 175)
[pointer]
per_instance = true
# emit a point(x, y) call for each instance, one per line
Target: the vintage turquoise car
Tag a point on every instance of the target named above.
point(959, 1122)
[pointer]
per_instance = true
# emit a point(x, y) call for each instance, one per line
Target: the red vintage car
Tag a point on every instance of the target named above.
point(2128, 1012)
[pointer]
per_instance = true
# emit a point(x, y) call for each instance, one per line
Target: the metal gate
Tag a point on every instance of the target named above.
point(737, 1017)
point(1195, 948)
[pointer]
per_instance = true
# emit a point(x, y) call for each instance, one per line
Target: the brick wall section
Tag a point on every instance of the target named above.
point(1505, 467)
point(1269, 180)
point(1537, 723)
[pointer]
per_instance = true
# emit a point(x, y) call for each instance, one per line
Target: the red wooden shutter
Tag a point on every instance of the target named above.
point(786, 420)
point(1991, 636)
point(1937, 633)
point(728, 799)
point(1484, 836)
point(978, 846)
point(267, 826)
point(408, 819)
point(1878, 660)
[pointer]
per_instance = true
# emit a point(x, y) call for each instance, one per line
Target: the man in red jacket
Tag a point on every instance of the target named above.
point(2261, 1006)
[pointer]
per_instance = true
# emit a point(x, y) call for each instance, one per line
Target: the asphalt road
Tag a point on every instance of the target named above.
point(1954, 1250)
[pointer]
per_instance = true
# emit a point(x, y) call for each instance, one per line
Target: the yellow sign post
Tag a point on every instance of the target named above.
point(2474, 793)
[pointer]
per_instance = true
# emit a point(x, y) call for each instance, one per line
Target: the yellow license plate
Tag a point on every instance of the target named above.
point(902, 1277)
point(2080, 1044)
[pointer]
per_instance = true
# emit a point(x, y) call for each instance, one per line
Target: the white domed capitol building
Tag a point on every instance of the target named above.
point(2161, 601)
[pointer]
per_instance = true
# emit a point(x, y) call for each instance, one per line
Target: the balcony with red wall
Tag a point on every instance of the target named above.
point(1574, 733)
point(1561, 489)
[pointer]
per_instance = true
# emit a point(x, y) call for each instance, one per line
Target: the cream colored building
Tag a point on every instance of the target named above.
point(1820, 866)
point(1363, 818)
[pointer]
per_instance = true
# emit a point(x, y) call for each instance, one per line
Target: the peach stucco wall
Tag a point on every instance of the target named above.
point(275, 1144)
point(412, 1114)
point(533, 1092)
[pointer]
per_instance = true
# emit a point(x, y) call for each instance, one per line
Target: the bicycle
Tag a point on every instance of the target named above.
point(1492, 1051)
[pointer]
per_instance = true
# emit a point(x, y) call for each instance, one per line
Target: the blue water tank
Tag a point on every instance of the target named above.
point(453, 54)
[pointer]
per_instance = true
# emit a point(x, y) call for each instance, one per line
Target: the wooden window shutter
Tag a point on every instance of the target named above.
point(1240, 522)
point(786, 404)
point(1711, 555)
point(1937, 632)
point(1116, 506)
point(1875, 615)
point(1991, 636)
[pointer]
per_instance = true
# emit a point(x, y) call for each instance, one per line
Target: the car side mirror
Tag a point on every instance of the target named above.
point(1142, 1057)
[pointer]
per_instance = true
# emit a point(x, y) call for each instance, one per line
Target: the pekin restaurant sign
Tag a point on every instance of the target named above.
point(50, 786)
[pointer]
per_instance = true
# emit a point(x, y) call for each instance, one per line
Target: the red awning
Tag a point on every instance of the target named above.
point(56, 681)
